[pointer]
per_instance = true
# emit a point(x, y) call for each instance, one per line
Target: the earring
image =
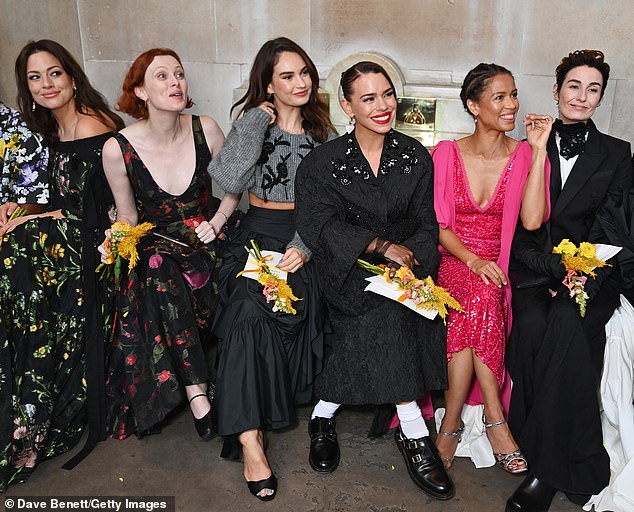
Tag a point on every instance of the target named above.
point(33, 106)
point(475, 118)
point(351, 122)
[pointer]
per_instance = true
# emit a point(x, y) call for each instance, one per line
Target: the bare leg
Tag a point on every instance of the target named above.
point(460, 372)
point(500, 436)
point(256, 467)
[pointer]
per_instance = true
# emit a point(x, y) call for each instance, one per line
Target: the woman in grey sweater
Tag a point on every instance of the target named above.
point(267, 359)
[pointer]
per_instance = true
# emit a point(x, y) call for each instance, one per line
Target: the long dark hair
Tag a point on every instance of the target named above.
point(591, 58)
point(476, 81)
point(88, 100)
point(315, 116)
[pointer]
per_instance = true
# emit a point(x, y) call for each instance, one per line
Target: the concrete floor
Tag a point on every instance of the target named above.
point(371, 476)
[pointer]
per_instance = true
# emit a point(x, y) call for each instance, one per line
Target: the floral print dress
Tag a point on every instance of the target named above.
point(23, 161)
point(51, 305)
point(166, 304)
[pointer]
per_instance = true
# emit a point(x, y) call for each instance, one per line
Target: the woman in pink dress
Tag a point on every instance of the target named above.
point(482, 183)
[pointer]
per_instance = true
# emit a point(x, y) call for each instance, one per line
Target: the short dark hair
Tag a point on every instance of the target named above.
point(363, 67)
point(129, 103)
point(315, 114)
point(476, 81)
point(87, 99)
point(590, 58)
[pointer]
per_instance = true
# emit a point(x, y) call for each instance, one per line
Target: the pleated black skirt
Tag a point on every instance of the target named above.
point(267, 360)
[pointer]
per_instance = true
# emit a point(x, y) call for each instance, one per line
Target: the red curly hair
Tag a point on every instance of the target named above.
point(129, 103)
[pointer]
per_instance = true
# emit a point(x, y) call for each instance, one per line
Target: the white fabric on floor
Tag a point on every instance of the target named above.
point(475, 444)
point(617, 394)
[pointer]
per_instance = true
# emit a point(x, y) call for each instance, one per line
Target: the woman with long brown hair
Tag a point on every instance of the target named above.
point(267, 359)
point(53, 309)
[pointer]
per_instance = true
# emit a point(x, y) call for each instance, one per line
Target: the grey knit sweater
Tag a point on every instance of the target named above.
point(262, 159)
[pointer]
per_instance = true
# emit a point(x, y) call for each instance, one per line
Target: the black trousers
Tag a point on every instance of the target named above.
point(555, 357)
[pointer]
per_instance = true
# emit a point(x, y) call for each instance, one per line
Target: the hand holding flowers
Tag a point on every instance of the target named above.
point(275, 289)
point(121, 242)
point(424, 293)
point(578, 260)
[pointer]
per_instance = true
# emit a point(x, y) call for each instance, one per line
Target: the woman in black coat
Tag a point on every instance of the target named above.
point(369, 194)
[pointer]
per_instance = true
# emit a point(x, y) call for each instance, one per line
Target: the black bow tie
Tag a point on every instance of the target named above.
point(573, 138)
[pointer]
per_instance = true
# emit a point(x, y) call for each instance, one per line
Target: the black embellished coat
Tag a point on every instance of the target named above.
point(377, 350)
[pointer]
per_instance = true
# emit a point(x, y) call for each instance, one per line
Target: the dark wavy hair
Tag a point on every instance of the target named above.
point(590, 58)
point(315, 115)
point(129, 103)
point(88, 100)
point(363, 67)
point(476, 81)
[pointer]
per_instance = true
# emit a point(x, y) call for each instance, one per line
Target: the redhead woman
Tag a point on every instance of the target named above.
point(157, 169)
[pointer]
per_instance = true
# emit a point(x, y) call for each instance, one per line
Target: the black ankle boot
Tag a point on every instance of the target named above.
point(532, 495)
point(425, 466)
point(205, 426)
point(324, 448)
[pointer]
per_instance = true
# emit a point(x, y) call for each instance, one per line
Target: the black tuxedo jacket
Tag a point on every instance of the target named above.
point(606, 166)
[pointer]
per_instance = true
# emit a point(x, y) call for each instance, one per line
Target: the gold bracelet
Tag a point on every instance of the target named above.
point(221, 213)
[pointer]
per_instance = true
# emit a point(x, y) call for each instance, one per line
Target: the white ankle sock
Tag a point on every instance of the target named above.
point(412, 422)
point(324, 409)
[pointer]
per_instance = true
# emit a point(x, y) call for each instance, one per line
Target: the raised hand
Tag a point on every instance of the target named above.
point(538, 128)
point(269, 108)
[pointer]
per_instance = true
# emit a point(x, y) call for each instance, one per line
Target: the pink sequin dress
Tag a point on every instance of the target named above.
point(482, 324)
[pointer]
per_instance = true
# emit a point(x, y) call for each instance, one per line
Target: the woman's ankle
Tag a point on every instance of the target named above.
point(450, 423)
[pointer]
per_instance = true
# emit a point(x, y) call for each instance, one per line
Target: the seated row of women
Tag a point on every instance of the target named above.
point(78, 347)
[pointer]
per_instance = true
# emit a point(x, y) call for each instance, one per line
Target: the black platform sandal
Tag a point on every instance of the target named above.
point(267, 483)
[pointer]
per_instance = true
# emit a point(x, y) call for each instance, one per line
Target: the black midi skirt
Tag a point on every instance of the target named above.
point(267, 360)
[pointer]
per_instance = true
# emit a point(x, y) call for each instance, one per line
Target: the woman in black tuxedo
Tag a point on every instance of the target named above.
point(554, 356)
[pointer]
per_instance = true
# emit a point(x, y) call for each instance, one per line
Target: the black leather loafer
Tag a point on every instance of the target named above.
point(425, 466)
point(324, 449)
point(531, 496)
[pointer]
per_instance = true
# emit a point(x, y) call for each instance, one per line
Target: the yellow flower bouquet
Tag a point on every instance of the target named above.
point(122, 243)
point(578, 260)
point(424, 293)
point(276, 289)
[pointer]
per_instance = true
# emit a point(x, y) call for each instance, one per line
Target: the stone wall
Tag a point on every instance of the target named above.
point(433, 43)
